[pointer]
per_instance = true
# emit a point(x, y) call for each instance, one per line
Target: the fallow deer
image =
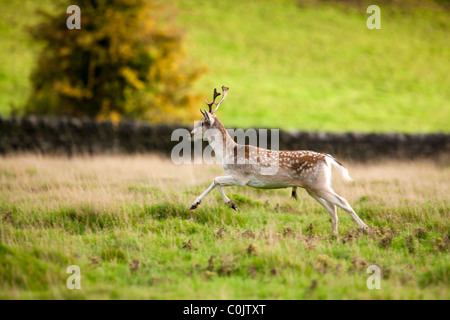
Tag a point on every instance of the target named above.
point(245, 166)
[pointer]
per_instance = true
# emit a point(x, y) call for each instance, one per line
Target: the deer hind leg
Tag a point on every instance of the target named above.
point(331, 196)
point(217, 183)
point(331, 208)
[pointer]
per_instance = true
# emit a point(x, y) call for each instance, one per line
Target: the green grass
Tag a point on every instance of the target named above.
point(291, 66)
point(136, 242)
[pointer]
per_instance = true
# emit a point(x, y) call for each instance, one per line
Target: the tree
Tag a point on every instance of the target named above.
point(127, 60)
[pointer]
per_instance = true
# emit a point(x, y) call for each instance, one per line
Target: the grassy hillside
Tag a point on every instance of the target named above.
point(17, 50)
point(129, 230)
point(320, 68)
point(290, 65)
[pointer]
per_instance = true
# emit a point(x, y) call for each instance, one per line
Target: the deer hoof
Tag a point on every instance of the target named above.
point(232, 205)
point(369, 231)
point(194, 205)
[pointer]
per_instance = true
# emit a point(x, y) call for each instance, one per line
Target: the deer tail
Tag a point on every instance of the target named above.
point(343, 170)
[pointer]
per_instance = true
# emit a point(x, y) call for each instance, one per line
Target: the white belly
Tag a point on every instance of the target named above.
point(267, 183)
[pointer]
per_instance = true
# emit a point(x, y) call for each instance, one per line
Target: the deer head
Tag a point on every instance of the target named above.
point(209, 119)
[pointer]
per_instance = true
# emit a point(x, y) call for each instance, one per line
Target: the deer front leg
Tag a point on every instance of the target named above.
point(199, 199)
point(217, 183)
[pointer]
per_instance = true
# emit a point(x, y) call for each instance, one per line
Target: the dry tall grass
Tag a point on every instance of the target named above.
point(102, 180)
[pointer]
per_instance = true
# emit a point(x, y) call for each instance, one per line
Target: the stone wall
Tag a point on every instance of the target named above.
point(69, 136)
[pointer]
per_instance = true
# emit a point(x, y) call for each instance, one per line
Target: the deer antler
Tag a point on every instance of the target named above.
point(216, 94)
point(224, 94)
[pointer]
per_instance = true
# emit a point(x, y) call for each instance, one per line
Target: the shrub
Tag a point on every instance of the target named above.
point(127, 60)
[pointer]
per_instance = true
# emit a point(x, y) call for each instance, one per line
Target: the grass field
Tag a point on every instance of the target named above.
point(292, 64)
point(125, 222)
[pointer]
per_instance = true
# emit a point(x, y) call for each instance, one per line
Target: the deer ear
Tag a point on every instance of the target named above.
point(207, 118)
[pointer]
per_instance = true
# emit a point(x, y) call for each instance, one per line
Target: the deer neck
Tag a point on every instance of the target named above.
point(220, 141)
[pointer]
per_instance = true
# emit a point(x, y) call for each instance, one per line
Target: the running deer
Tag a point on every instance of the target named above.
point(247, 165)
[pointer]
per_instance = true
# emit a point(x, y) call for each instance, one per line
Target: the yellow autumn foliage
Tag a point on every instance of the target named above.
point(126, 61)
